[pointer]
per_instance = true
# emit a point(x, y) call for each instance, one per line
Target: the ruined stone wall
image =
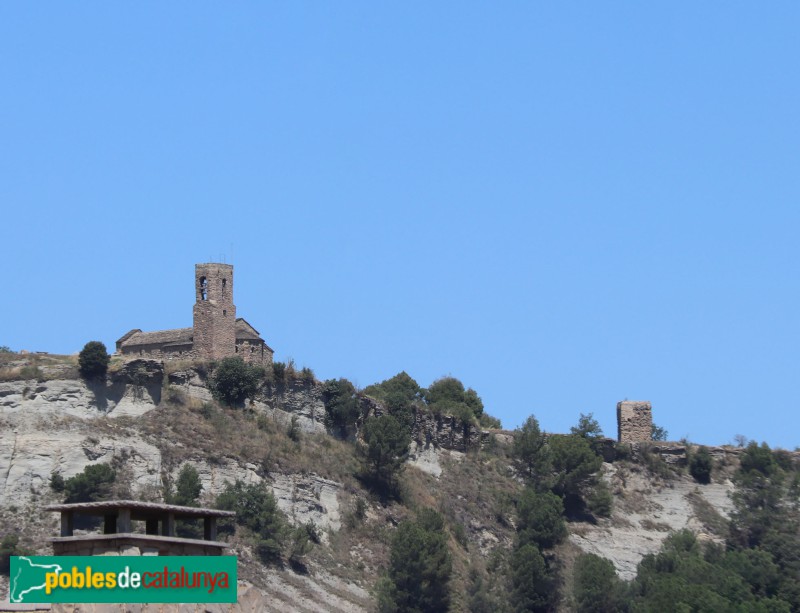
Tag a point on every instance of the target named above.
point(634, 421)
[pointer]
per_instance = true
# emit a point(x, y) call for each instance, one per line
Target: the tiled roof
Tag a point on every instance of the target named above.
point(178, 336)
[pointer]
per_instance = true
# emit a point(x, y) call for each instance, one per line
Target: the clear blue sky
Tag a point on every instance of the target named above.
point(562, 204)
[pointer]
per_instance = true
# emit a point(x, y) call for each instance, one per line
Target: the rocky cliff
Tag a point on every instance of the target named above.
point(147, 424)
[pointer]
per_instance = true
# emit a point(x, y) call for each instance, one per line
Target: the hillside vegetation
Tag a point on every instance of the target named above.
point(402, 498)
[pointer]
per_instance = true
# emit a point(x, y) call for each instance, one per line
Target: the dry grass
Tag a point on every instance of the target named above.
point(41, 367)
point(705, 512)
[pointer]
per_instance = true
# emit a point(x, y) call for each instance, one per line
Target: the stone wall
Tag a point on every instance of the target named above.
point(134, 545)
point(160, 352)
point(634, 421)
point(254, 352)
point(214, 312)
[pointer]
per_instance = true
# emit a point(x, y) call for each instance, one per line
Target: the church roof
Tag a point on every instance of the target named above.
point(178, 336)
point(245, 330)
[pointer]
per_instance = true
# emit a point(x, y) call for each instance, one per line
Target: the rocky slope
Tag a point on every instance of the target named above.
point(148, 424)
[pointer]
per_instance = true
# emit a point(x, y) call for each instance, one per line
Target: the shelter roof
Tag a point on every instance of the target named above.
point(138, 509)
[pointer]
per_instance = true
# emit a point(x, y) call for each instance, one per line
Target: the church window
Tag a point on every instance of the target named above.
point(203, 288)
point(224, 285)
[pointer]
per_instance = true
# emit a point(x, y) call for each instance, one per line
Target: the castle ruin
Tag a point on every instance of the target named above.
point(634, 421)
point(216, 333)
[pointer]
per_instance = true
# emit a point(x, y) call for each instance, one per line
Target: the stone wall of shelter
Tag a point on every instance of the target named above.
point(634, 421)
point(133, 546)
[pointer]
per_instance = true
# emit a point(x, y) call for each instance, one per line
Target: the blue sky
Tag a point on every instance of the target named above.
point(562, 204)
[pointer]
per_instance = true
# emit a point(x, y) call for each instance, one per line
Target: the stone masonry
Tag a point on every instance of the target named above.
point(216, 332)
point(214, 312)
point(634, 421)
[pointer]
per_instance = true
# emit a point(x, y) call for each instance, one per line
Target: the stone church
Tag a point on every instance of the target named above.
point(216, 332)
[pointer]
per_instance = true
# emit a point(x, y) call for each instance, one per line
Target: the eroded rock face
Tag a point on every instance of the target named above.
point(644, 515)
point(133, 390)
point(309, 498)
point(297, 399)
point(29, 456)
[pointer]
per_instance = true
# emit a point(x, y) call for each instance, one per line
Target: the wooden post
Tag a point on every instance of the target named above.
point(67, 523)
point(109, 524)
point(151, 526)
point(210, 528)
point(168, 525)
point(124, 521)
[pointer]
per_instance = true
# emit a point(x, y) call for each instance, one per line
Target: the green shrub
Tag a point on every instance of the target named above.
point(575, 466)
point(256, 509)
point(597, 588)
point(279, 372)
point(700, 465)
point(93, 360)
point(386, 447)
point(93, 484)
point(447, 395)
point(401, 395)
point(599, 501)
point(302, 541)
point(532, 583)
point(541, 522)
point(234, 380)
point(187, 487)
point(530, 451)
point(657, 433)
point(489, 422)
point(341, 405)
point(758, 459)
point(57, 482)
point(9, 546)
point(5, 349)
point(419, 567)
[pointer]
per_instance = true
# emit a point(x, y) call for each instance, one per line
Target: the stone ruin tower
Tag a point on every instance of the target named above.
point(214, 312)
point(634, 421)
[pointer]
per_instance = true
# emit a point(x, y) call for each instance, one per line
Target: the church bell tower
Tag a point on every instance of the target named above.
point(214, 312)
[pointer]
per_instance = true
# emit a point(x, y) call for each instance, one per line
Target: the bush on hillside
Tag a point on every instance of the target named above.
point(341, 405)
point(419, 567)
point(187, 488)
point(401, 394)
point(530, 451)
point(91, 485)
point(700, 465)
point(540, 519)
point(596, 586)
point(233, 380)
point(9, 546)
point(93, 360)
point(256, 509)
point(657, 433)
point(385, 447)
point(448, 396)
